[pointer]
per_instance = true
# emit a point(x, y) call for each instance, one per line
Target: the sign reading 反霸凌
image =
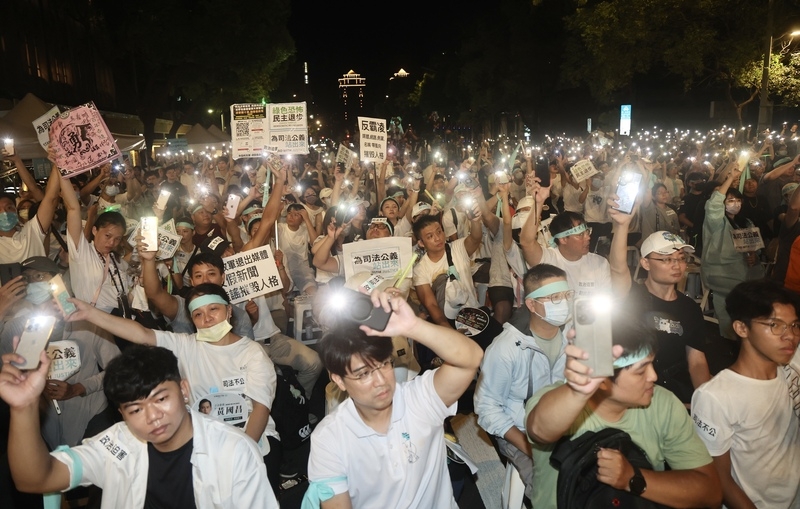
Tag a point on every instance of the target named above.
point(372, 139)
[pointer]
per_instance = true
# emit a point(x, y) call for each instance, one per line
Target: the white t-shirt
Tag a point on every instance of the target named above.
point(426, 271)
point(242, 368)
point(572, 197)
point(589, 275)
point(265, 327)
point(294, 245)
point(87, 269)
point(403, 228)
point(450, 227)
point(755, 421)
point(26, 242)
point(595, 208)
point(405, 468)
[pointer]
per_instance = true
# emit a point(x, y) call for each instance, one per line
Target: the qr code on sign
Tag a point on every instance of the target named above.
point(242, 129)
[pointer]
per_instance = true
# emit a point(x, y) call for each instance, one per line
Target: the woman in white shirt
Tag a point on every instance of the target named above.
point(234, 373)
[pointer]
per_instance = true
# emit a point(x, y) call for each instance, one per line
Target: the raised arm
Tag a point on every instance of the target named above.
point(74, 223)
point(118, 326)
point(531, 249)
point(462, 356)
point(25, 175)
point(160, 299)
point(47, 208)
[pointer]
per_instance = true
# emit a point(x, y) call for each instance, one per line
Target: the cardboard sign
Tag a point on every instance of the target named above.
point(81, 140)
point(372, 139)
point(66, 359)
point(583, 170)
point(287, 128)
point(43, 123)
point(251, 274)
point(385, 257)
point(747, 240)
point(227, 407)
point(248, 130)
point(346, 156)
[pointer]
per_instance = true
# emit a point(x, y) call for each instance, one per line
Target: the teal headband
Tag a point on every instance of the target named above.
point(572, 231)
point(632, 358)
point(204, 300)
point(184, 225)
point(549, 289)
point(250, 209)
point(198, 207)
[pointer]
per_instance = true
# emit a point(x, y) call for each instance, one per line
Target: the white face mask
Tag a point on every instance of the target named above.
point(214, 333)
point(555, 314)
point(112, 190)
point(517, 220)
point(733, 208)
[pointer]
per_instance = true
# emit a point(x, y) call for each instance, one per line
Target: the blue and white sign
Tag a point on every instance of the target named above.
point(625, 120)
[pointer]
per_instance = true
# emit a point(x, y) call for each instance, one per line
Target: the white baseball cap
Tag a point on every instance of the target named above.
point(419, 208)
point(664, 243)
point(527, 201)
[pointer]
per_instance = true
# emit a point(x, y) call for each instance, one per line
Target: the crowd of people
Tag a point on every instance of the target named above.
point(170, 396)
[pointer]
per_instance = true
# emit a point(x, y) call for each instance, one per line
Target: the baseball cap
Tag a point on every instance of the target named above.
point(216, 245)
point(527, 201)
point(664, 243)
point(325, 192)
point(40, 263)
point(419, 208)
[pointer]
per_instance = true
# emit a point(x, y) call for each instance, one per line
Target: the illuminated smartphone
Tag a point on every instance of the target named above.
point(59, 291)
point(592, 320)
point(627, 190)
point(8, 146)
point(33, 340)
point(149, 230)
point(163, 198)
point(232, 205)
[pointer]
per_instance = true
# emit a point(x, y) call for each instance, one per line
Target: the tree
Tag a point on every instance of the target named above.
point(191, 55)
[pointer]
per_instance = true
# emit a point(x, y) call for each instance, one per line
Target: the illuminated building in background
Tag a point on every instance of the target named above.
point(346, 82)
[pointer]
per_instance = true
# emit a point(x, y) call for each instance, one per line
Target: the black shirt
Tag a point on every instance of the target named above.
point(169, 478)
point(678, 324)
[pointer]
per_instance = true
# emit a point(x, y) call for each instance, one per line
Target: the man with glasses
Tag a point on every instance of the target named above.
point(747, 415)
point(677, 320)
point(384, 446)
point(520, 362)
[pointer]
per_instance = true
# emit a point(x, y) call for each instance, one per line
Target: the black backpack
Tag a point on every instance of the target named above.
point(576, 462)
point(290, 409)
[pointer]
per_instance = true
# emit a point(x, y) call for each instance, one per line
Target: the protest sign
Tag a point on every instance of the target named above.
point(81, 140)
point(372, 139)
point(43, 123)
point(250, 274)
point(346, 156)
point(168, 242)
point(287, 128)
point(386, 256)
point(41, 167)
point(227, 407)
point(747, 240)
point(169, 226)
point(582, 170)
point(177, 144)
point(66, 359)
point(248, 130)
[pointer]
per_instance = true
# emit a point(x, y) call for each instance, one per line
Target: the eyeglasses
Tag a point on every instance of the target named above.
point(778, 327)
point(681, 260)
point(556, 298)
point(381, 226)
point(366, 375)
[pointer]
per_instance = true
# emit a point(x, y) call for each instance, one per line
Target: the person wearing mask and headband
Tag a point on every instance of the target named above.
point(218, 364)
point(522, 360)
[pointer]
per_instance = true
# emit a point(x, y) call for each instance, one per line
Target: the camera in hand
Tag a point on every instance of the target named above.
point(359, 308)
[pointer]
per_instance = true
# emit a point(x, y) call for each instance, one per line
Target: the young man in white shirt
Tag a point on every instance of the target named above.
point(747, 414)
point(161, 455)
point(385, 427)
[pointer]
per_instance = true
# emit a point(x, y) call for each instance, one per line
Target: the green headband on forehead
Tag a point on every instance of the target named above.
point(632, 358)
point(184, 224)
point(198, 207)
point(549, 289)
point(204, 300)
point(572, 231)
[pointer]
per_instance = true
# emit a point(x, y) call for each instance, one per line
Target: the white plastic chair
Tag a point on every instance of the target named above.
point(513, 489)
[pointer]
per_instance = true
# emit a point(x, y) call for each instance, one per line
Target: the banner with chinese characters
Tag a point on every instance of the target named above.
point(346, 156)
point(65, 357)
point(747, 240)
point(583, 170)
point(250, 274)
point(43, 123)
point(248, 130)
point(386, 256)
point(372, 139)
point(287, 128)
point(81, 140)
point(168, 242)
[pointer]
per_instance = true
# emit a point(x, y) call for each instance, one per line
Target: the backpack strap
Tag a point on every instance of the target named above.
point(455, 217)
point(452, 274)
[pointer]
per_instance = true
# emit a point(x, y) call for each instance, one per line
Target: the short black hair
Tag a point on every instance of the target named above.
point(206, 258)
point(631, 335)
point(564, 221)
point(133, 374)
point(754, 299)
point(538, 273)
point(294, 206)
point(337, 347)
point(423, 222)
point(112, 217)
